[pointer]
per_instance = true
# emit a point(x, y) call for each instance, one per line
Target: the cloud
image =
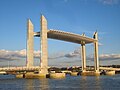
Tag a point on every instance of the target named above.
point(100, 44)
point(91, 57)
point(109, 56)
point(109, 2)
point(75, 53)
point(18, 54)
point(15, 55)
point(8, 55)
point(105, 57)
point(56, 55)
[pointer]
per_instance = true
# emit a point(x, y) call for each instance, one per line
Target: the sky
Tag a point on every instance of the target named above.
point(76, 16)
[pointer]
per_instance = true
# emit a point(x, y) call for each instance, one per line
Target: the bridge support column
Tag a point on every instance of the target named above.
point(44, 51)
point(30, 42)
point(19, 75)
point(96, 57)
point(83, 55)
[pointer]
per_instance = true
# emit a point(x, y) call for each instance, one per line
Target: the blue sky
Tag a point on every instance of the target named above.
point(75, 16)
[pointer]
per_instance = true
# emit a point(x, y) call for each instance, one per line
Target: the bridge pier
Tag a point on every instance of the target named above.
point(30, 75)
point(30, 46)
point(20, 75)
point(44, 48)
point(83, 55)
point(30, 42)
point(33, 75)
point(96, 57)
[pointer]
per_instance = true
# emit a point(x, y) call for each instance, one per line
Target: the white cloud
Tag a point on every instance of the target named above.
point(17, 55)
point(75, 53)
point(100, 44)
point(105, 57)
point(109, 56)
point(14, 55)
point(109, 2)
point(56, 55)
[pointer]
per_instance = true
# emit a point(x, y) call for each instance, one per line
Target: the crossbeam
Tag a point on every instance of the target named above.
point(67, 36)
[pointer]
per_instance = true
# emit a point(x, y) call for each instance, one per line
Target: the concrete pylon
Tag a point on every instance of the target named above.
point(96, 57)
point(30, 43)
point(83, 55)
point(44, 51)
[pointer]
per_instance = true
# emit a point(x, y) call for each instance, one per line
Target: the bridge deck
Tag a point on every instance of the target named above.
point(66, 36)
point(20, 68)
point(109, 68)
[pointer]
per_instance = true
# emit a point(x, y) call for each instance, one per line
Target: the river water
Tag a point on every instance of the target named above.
point(69, 83)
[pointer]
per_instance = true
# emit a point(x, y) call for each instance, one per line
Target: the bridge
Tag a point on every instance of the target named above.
point(46, 33)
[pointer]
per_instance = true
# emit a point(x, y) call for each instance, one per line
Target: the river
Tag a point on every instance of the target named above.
point(9, 82)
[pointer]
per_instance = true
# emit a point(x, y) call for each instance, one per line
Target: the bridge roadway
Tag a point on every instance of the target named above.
point(67, 36)
point(34, 68)
point(109, 68)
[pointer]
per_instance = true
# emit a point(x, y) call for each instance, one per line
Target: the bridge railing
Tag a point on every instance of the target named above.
point(19, 68)
point(109, 68)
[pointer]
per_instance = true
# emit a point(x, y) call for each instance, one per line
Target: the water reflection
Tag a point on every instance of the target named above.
point(30, 84)
point(97, 78)
point(39, 84)
point(44, 84)
point(90, 82)
point(83, 83)
point(98, 85)
point(84, 78)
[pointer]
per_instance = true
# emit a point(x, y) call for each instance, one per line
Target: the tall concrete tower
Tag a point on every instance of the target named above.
point(96, 57)
point(83, 55)
point(30, 42)
point(44, 51)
